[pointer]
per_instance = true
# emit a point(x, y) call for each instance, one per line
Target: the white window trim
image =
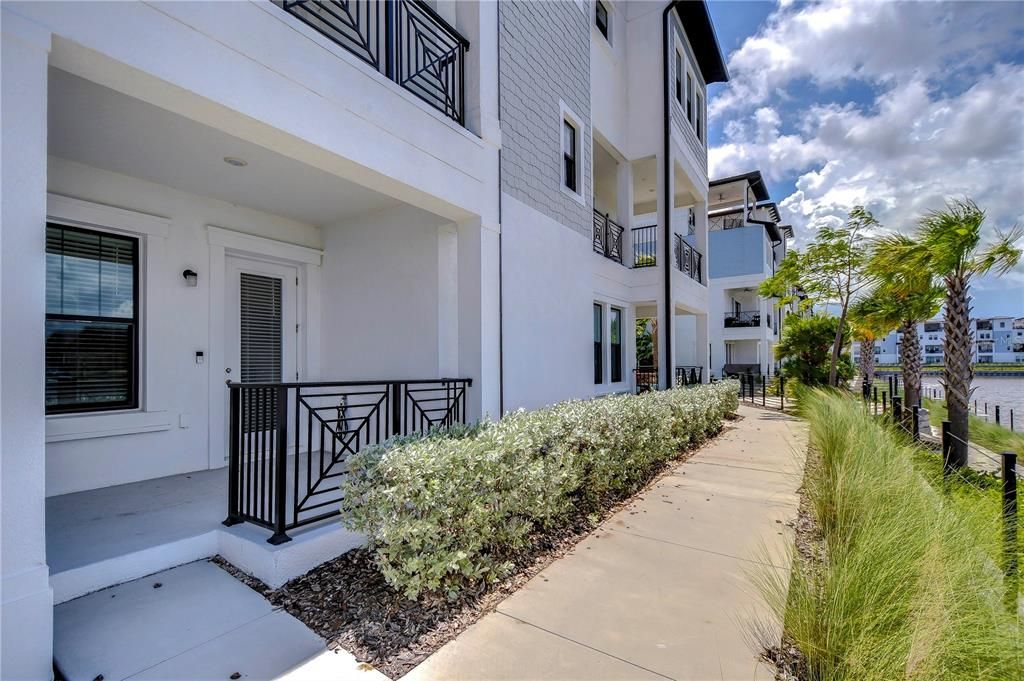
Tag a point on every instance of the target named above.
point(151, 232)
point(567, 114)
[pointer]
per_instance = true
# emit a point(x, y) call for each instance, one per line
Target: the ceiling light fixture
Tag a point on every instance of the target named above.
point(236, 162)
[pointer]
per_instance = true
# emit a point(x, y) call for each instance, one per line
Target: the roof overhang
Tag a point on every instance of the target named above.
point(696, 20)
point(753, 178)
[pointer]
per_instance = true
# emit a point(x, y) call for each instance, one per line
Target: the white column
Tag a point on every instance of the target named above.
point(702, 341)
point(665, 361)
point(447, 301)
point(27, 600)
point(479, 315)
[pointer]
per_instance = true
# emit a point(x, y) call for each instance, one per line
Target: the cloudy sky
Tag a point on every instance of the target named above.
point(894, 105)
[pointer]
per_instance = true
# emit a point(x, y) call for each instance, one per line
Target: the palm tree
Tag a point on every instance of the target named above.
point(947, 245)
point(901, 300)
point(867, 328)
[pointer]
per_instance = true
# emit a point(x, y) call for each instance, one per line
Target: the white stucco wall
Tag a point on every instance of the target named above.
point(380, 302)
point(547, 309)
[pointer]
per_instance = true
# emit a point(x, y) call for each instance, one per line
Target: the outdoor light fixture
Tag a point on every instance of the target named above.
point(236, 162)
point(191, 278)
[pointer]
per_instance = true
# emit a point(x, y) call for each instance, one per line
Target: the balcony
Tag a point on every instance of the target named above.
point(688, 260)
point(645, 246)
point(405, 40)
point(741, 320)
point(607, 237)
point(984, 325)
point(731, 221)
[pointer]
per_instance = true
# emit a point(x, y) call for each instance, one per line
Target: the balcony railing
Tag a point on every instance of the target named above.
point(688, 259)
point(405, 40)
point(607, 237)
point(645, 246)
point(686, 376)
point(737, 320)
point(720, 222)
point(288, 443)
point(645, 378)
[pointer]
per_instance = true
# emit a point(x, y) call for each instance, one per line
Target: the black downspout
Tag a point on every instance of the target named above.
point(669, 200)
point(501, 232)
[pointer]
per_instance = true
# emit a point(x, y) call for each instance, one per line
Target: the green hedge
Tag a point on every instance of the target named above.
point(448, 511)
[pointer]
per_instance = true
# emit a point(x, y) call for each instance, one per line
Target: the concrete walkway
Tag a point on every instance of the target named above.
point(191, 622)
point(663, 589)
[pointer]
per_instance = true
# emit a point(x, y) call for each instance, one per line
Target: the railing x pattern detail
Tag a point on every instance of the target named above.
point(607, 237)
point(406, 40)
point(289, 442)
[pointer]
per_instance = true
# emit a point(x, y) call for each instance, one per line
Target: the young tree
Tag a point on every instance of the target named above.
point(806, 348)
point(866, 329)
point(829, 271)
point(947, 244)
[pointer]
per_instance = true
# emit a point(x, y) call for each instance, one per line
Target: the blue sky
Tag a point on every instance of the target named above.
point(894, 105)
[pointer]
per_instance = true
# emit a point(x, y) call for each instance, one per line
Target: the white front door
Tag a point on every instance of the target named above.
point(260, 325)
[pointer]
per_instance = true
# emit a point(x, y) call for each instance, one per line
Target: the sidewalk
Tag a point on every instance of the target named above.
point(663, 589)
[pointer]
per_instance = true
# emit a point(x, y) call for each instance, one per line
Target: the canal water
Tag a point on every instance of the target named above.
point(1006, 391)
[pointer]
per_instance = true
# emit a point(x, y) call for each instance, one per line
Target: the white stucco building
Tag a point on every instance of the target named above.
point(997, 340)
point(367, 222)
point(747, 243)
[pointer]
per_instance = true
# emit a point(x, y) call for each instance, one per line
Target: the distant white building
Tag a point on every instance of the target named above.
point(746, 245)
point(997, 340)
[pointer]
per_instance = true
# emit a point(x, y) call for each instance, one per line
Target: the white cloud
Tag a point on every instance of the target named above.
point(945, 120)
point(834, 41)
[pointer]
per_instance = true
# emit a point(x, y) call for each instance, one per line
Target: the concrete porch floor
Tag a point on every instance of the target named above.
point(98, 538)
point(88, 527)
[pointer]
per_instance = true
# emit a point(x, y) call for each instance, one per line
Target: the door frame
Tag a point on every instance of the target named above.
point(307, 262)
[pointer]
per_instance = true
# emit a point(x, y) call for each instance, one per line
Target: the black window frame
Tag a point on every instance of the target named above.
point(698, 105)
point(689, 97)
point(133, 401)
point(598, 322)
point(603, 27)
point(569, 158)
point(615, 317)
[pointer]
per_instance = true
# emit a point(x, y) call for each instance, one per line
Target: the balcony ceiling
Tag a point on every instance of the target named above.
point(100, 127)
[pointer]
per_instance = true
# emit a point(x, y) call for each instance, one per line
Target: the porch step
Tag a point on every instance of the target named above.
point(199, 623)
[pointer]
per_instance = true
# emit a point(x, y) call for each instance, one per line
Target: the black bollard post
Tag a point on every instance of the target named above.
point(1010, 565)
point(883, 402)
point(762, 391)
point(997, 414)
point(782, 393)
point(915, 422)
point(874, 400)
point(897, 410)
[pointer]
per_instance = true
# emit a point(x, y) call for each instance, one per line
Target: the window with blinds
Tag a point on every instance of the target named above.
point(261, 328)
point(260, 357)
point(92, 320)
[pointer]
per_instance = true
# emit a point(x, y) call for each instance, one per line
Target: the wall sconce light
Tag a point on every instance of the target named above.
point(191, 278)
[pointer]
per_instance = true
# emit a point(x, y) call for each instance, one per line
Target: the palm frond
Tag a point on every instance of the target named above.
point(1000, 256)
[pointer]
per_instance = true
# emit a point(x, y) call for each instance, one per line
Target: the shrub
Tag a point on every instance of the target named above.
point(806, 350)
point(906, 588)
point(445, 513)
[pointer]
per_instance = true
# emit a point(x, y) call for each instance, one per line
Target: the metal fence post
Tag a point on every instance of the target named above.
point(897, 409)
point(782, 393)
point(874, 399)
point(884, 405)
point(1010, 527)
point(234, 411)
point(915, 422)
point(281, 468)
point(947, 450)
point(763, 398)
point(997, 414)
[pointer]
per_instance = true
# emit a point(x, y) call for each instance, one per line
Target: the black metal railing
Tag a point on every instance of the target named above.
point(688, 259)
point(288, 443)
point(645, 378)
point(687, 376)
point(607, 237)
point(406, 40)
point(735, 320)
point(719, 222)
point(645, 246)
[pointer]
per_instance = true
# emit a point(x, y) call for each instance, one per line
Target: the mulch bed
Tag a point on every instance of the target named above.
point(790, 663)
point(347, 601)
